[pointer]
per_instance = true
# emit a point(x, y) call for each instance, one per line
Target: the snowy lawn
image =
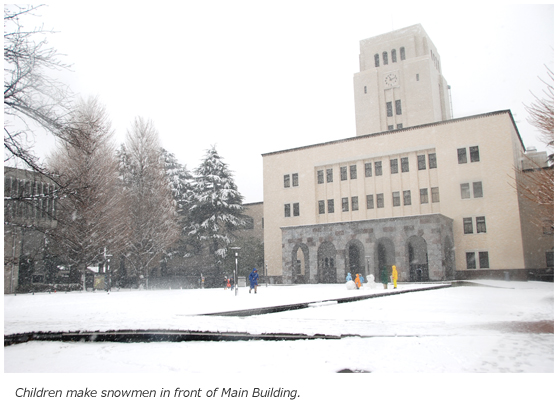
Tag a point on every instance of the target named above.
point(457, 329)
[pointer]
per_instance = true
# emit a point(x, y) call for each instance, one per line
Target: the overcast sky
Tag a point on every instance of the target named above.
point(255, 77)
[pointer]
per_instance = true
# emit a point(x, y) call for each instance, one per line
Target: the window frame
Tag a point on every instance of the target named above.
point(343, 172)
point(320, 177)
point(396, 199)
point(398, 110)
point(480, 222)
point(468, 226)
point(421, 162)
point(330, 206)
point(474, 154)
point(471, 260)
point(378, 168)
point(353, 172)
point(286, 181)
point(321, 207)
point(287, 210)
point(380, 200)
point(295, 179)
point(432, 162)
point(477, 190)
point(393, 56)
point(329, 175)
point(435, 194)
point(394, 166)
point(462, 155)
point(296, 209)
point(369, 201)
point(354, 203)
point(389, 109)
point(465, 190)
point(423, 196)
point(406, 198)
point(368, 169)
point(484, 261)
point(404, 164)
point(344, 204)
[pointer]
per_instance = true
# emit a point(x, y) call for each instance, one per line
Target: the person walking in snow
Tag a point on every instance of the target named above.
point(394, 276)
point(253, 281)
point(357, 281)
point(227, 285)
point(384, 277)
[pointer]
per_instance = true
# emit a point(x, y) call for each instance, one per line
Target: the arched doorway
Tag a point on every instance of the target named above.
point(327, 271)
point(355, 257)
point(417, 256)
point(300, 263)
point(384, 255)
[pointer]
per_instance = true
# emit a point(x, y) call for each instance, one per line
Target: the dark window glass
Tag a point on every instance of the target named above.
point(474, 152)
point(389, 108)
point(421, 160)
point(432, 164)
point(477, 189)
point(398, 107)
point(465, 191)
point(423, 195)
point(378, 168)
point(320, 176)
point(368, 169)
point(295, 179)
point(396, 199)
point(345, 204)
point(483, 260)
point(461, 155)
point(404, 164)
point(370, 201)
point(394, 166)
point(481, 224)
point(406, 197)
point(287, 210)
point(435, 195)
point(296, 209)
point(467, 225)
point(380, 200)
point(321, 207)
point(399, 126)
point(365, 90)
point(354, 203)
point(390, 127)
point(329, 173)
point(377, 60)
point(550, 259)
point(287, 180)
point(343, 172)
point(402, 53)
point(385, 57)
point(330, 206)
point(353, 171)
point(394, 56)
point(471, 261)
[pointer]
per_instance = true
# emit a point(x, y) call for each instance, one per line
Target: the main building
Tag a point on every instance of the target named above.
point(433, 195)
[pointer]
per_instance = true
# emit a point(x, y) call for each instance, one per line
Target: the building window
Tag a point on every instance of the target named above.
point(378, 168)
point(320, 177)
point(368, 169)
point(406, 197)
point(483, 260)
point(385, 58)
point(390, 127)
point(296, 209)
point(394, 56)
point(417, 77)
point(321, 207)
point(399, 126)
point(329, 175)
point(402, 53)
point(477, 189)
point(471, 261)
point(467, 225)
point(353, 171)
point(465, 191)
point(435, 195)
point(481, 224)
point(365, 91)
point(295, 179)
point(462, 155)
point(398, 107)
point(354, 203)
point(343, 172)
point(389, 108)
point(396, 199)
point(330, 206)
point(287, 180)
point(423, 196)
point(377, 60)
point(404, 164)
point(432, 164)
point(474, 153)
point(287, 210)
point(345, 204)
point(380, 200)
point(394, 166)
point(421, 160)
point(370, 201)
point(249, 223)
point(550, 259)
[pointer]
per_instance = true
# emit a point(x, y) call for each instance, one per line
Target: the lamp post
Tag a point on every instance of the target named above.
point(266, 278)
point(235, 269)
point(367, 266)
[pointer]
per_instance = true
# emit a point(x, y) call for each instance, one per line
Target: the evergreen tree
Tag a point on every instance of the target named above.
point(216, 207)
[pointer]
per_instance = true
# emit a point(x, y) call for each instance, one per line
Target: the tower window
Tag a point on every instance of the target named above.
point(402, 53)
point(385, 58)
point(467, 225)
point(343, 172)
point(462, 155)
point(481, 224)
point(417, 77)
point(423, 195)
point(394, 56)
point(329, 174)
point(404, 164)
point(295, 179)
point(320, 177)
point(396, 199)
point(421, 160)
point(477, 189)
point(345, 204)
point(365, 90)
point(394, 166)
point(296, 209)
point(377, 60)
point(378, 168)
point(399, 126)
point(398, 107)
point(287, 180)
point(330, 206)
point(370, 201)
point(353, 171)
point(287, 210)
point(474, 152)
point(321, 207)
point(435, 191)
point(380, 200)
point(389, 108)
point(354, 203)
point(432, 164)
point(406, 197)
point(368, 169)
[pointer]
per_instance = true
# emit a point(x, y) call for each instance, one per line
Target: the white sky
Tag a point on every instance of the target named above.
point(255, 77)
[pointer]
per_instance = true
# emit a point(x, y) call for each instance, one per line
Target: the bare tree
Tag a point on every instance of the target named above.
point(150, 203)
point(90, 213)
point(31, 95)
point(541, 113)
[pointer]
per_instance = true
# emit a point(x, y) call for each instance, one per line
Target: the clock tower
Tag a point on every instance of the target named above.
point(400, 82)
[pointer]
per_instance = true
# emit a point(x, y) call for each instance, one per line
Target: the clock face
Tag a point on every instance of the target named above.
point(390, 79)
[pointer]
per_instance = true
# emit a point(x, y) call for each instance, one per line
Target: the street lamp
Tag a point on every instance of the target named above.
point(235, 269)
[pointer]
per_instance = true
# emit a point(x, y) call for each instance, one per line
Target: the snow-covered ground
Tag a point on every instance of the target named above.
point(457, 329)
